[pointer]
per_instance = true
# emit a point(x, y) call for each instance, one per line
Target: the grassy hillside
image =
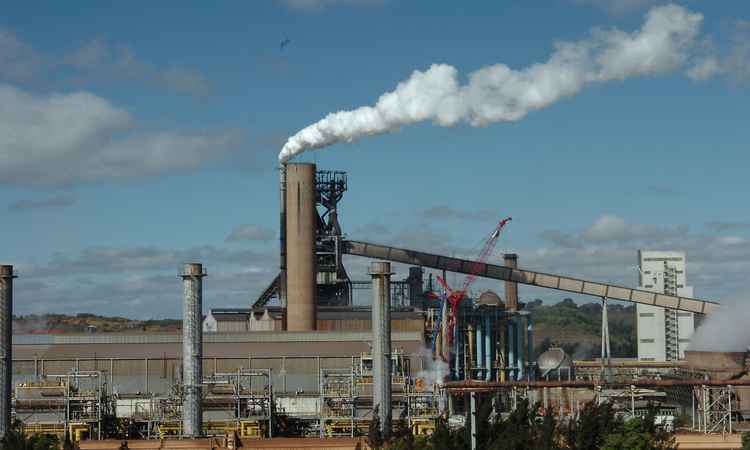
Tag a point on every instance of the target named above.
point(80, 323)
point(578, 328)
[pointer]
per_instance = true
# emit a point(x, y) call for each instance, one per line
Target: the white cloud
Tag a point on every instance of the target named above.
point(606, 250)
point(18, 60)
point(56, 202)
point(98, 58)
point(308, 5)
point(738, 60)
point(140, 282)
point(619, 7)
point(704, 69)
point(80, 137)
point(726, 226)
point(248, 232)
point(614, 228)
point(448, 212)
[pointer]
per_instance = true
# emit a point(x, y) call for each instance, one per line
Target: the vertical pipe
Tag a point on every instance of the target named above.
point(470, 338)
point(457, 362)
point(301, 229)
point(473, 419)
point(510, 329)
point(488, 348)
point(530, 348)
point(192, 349)
point(6, 348)
point(519, 350)
point(381, 342)
point(511, 287)
point(480, 351)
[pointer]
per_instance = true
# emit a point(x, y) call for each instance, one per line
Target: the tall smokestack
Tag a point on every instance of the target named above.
point(381, 341)
point(301, 228)
point(6, 349)
point(511, 287)
point(192, 349)
point(282, 235)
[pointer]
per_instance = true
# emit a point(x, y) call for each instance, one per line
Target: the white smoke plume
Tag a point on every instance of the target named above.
point(498, 93)
point(725, 330)
point(434, 370)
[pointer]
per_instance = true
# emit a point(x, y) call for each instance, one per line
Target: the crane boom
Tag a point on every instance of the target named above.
point(531, 278)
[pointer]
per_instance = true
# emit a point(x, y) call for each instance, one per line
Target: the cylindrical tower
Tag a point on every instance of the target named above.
point(381, 341)
point(511, 287)
point(282, 235)
point(301, 228)
point(6, 349)
point(192, 349)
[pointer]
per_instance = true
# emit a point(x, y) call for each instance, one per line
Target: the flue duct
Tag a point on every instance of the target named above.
point(6, 335)
point(381, 341)
point(192, 349)
point(301, 228)
point(511, 287)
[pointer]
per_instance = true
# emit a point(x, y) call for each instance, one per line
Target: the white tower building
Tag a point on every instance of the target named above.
point(663, 334)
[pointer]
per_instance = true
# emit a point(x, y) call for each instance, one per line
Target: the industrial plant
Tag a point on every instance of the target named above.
point(304, 360)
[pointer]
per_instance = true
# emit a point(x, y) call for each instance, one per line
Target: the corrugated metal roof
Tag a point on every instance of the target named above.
point(170, 338)
point(230, 317)
point(215, 345)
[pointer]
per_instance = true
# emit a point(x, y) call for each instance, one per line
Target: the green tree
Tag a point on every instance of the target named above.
point(374, 435)
point(16, 439)
point(640, 434)
point(746, 441)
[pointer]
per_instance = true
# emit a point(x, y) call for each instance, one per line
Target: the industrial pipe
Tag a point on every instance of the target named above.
point(6, 348)
point(488, 348)
point(192, 349)
point(483, 386)
point(511, 333)
point(301, 229)
point(381, 342)
point(480, 349)
point(519, 350)
point(530, 348)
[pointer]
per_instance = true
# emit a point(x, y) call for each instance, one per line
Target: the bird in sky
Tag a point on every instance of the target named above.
point(284, 43)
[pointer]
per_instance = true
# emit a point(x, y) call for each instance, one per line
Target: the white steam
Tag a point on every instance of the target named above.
point(725, 330)
point(498, 93)
point(434, 370)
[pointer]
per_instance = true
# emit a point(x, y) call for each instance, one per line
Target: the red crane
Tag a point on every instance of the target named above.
point(455, 297)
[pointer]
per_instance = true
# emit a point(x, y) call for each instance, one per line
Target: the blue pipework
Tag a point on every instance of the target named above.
point(519, 350)
point(457, 351)
point(511, 337)
point(488, 355)
point(530, 347)
point(479, 352)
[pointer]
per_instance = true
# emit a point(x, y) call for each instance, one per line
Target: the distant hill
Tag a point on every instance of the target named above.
point(577, 328)
point(83, 322)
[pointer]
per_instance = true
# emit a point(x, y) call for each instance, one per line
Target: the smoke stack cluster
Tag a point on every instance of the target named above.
point(498, 93)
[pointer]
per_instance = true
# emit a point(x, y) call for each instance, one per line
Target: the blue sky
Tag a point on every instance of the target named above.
point(141, 136)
